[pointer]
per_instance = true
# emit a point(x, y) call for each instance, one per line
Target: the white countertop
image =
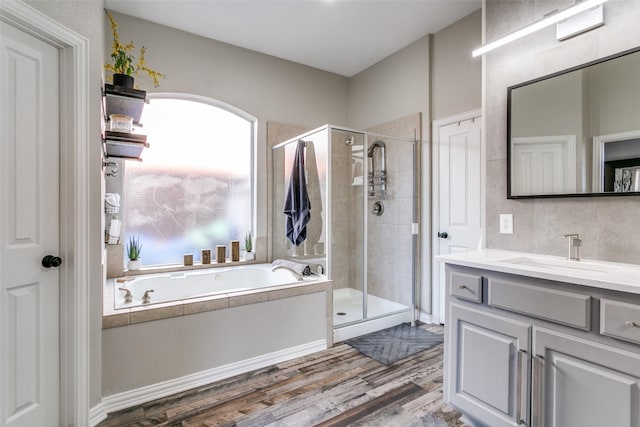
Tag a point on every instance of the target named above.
point(598, 274)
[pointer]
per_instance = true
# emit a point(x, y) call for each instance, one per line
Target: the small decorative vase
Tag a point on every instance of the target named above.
point(134, 264)
point(250, 256)
point(124, 80)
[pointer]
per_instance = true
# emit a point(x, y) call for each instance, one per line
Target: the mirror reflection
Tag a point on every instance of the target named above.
point(577, 132)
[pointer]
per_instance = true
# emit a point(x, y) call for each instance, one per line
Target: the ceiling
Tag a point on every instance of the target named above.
point(340, 36)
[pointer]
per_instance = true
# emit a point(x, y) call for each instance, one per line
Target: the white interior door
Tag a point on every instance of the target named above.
point(457, 195)
point(29, 230)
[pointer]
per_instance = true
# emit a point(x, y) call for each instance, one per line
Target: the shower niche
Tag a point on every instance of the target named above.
point(361, 189)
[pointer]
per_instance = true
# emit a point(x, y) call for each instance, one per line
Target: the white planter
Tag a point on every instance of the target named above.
point(250, 256)
point(134, 264)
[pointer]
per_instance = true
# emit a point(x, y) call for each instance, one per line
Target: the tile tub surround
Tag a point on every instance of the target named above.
point(614, 276)
point(113, 318)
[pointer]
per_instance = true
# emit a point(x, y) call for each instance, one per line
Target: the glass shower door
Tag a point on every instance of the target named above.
point(348, 187)
point(390, 213)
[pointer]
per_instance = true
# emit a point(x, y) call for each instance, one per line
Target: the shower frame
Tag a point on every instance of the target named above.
point(368, 136)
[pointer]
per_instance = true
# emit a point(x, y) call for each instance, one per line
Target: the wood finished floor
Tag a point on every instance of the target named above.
point(335, 387)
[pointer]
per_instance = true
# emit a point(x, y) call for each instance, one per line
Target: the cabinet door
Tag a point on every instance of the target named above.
point(582, 383)
point(487, 367)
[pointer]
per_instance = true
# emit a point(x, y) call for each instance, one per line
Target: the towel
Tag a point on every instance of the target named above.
point(111, 203)
point(302, 269)
point(297, 206)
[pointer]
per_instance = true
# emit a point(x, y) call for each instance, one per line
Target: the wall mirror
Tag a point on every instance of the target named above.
point(576, 132)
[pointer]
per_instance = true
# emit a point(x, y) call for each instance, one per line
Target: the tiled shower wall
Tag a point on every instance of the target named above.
point(604, 223)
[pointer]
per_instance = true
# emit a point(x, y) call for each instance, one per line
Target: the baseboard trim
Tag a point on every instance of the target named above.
point(427, 318)
point(127, 399)
point(97, 414)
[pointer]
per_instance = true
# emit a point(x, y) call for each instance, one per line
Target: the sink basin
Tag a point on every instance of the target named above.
point(565, 265)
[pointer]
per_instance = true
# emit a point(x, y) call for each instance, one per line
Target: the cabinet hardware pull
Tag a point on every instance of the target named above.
point(629, 323)
point(537, 364)
point(462, 287)
point(522, 384)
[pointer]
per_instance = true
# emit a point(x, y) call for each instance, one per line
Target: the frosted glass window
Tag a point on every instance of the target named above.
point(193, 189)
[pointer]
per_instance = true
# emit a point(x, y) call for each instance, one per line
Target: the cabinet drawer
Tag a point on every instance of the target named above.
point(620, 320)
point(550, 304)
point(466, 286)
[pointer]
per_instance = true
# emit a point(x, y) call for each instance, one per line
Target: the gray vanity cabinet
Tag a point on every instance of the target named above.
point(490, 379)
point(581, 383)
point(525, 351)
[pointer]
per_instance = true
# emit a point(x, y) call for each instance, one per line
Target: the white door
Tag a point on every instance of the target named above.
point(29, 230)
point(457, 189)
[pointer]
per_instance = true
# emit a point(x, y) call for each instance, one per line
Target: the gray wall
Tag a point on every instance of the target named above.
point(86, 19)
point(395, 87)
point(456, 77)
point(603, 223)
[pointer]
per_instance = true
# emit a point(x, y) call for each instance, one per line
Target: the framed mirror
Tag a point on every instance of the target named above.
point(576, 132)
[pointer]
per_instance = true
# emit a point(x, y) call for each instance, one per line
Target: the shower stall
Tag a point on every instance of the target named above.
point(362, 228)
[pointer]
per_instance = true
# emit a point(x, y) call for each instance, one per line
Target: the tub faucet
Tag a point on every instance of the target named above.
point(574, 242)
point(297, 275)
point(146, 298)
point(127, 296)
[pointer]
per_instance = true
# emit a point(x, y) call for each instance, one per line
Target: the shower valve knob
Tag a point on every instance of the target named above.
point(443, 235)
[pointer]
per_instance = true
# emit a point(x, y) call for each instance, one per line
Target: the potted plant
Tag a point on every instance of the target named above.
point(248, 246)
point(133, 252)
point(123, 66)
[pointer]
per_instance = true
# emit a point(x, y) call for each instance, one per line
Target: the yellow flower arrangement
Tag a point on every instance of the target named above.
point(123, 60)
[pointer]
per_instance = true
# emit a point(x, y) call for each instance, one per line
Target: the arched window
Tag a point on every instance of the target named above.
point(194, 188)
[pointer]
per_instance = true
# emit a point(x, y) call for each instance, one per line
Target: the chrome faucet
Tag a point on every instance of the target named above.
point(146, 298)
point(297, 275)
point(574, 242)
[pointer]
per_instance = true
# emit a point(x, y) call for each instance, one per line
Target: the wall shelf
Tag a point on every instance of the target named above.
point(130, 102)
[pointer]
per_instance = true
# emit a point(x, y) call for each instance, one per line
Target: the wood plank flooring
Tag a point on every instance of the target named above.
point(335, 387)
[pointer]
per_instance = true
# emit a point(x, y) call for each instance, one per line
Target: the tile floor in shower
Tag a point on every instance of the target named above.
point(347, 306)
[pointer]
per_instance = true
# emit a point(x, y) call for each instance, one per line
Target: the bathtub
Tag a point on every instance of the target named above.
point(206, 325)
point(182, 286)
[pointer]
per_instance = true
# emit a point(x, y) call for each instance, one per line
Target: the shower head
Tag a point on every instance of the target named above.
point(373, 146)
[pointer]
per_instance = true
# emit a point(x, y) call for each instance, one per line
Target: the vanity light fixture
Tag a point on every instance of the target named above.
point(538, 25)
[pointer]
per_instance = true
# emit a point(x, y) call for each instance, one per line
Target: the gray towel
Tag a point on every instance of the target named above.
point(302, 269)
point(297, 206)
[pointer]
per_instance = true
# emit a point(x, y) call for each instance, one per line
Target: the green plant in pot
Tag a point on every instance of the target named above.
point(133, 252)
point(124, 66)
point(248, 246)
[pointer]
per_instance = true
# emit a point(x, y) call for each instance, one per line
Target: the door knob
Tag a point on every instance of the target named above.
point(443, 235)
point(51, 261)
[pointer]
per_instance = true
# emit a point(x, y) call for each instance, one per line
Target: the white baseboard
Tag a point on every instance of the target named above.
point(97, 414)
point(127, 399)
point(427, 318)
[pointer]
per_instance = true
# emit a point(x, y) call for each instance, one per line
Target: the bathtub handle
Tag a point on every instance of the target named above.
point(146, 298)
point(127, 296)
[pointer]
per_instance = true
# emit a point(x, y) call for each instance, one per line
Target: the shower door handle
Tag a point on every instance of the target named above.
point(443, 235)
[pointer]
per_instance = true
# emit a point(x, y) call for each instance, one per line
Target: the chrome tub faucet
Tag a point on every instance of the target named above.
point(297, 275)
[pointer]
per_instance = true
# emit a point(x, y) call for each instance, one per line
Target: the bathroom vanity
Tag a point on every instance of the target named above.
point(541, 341)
